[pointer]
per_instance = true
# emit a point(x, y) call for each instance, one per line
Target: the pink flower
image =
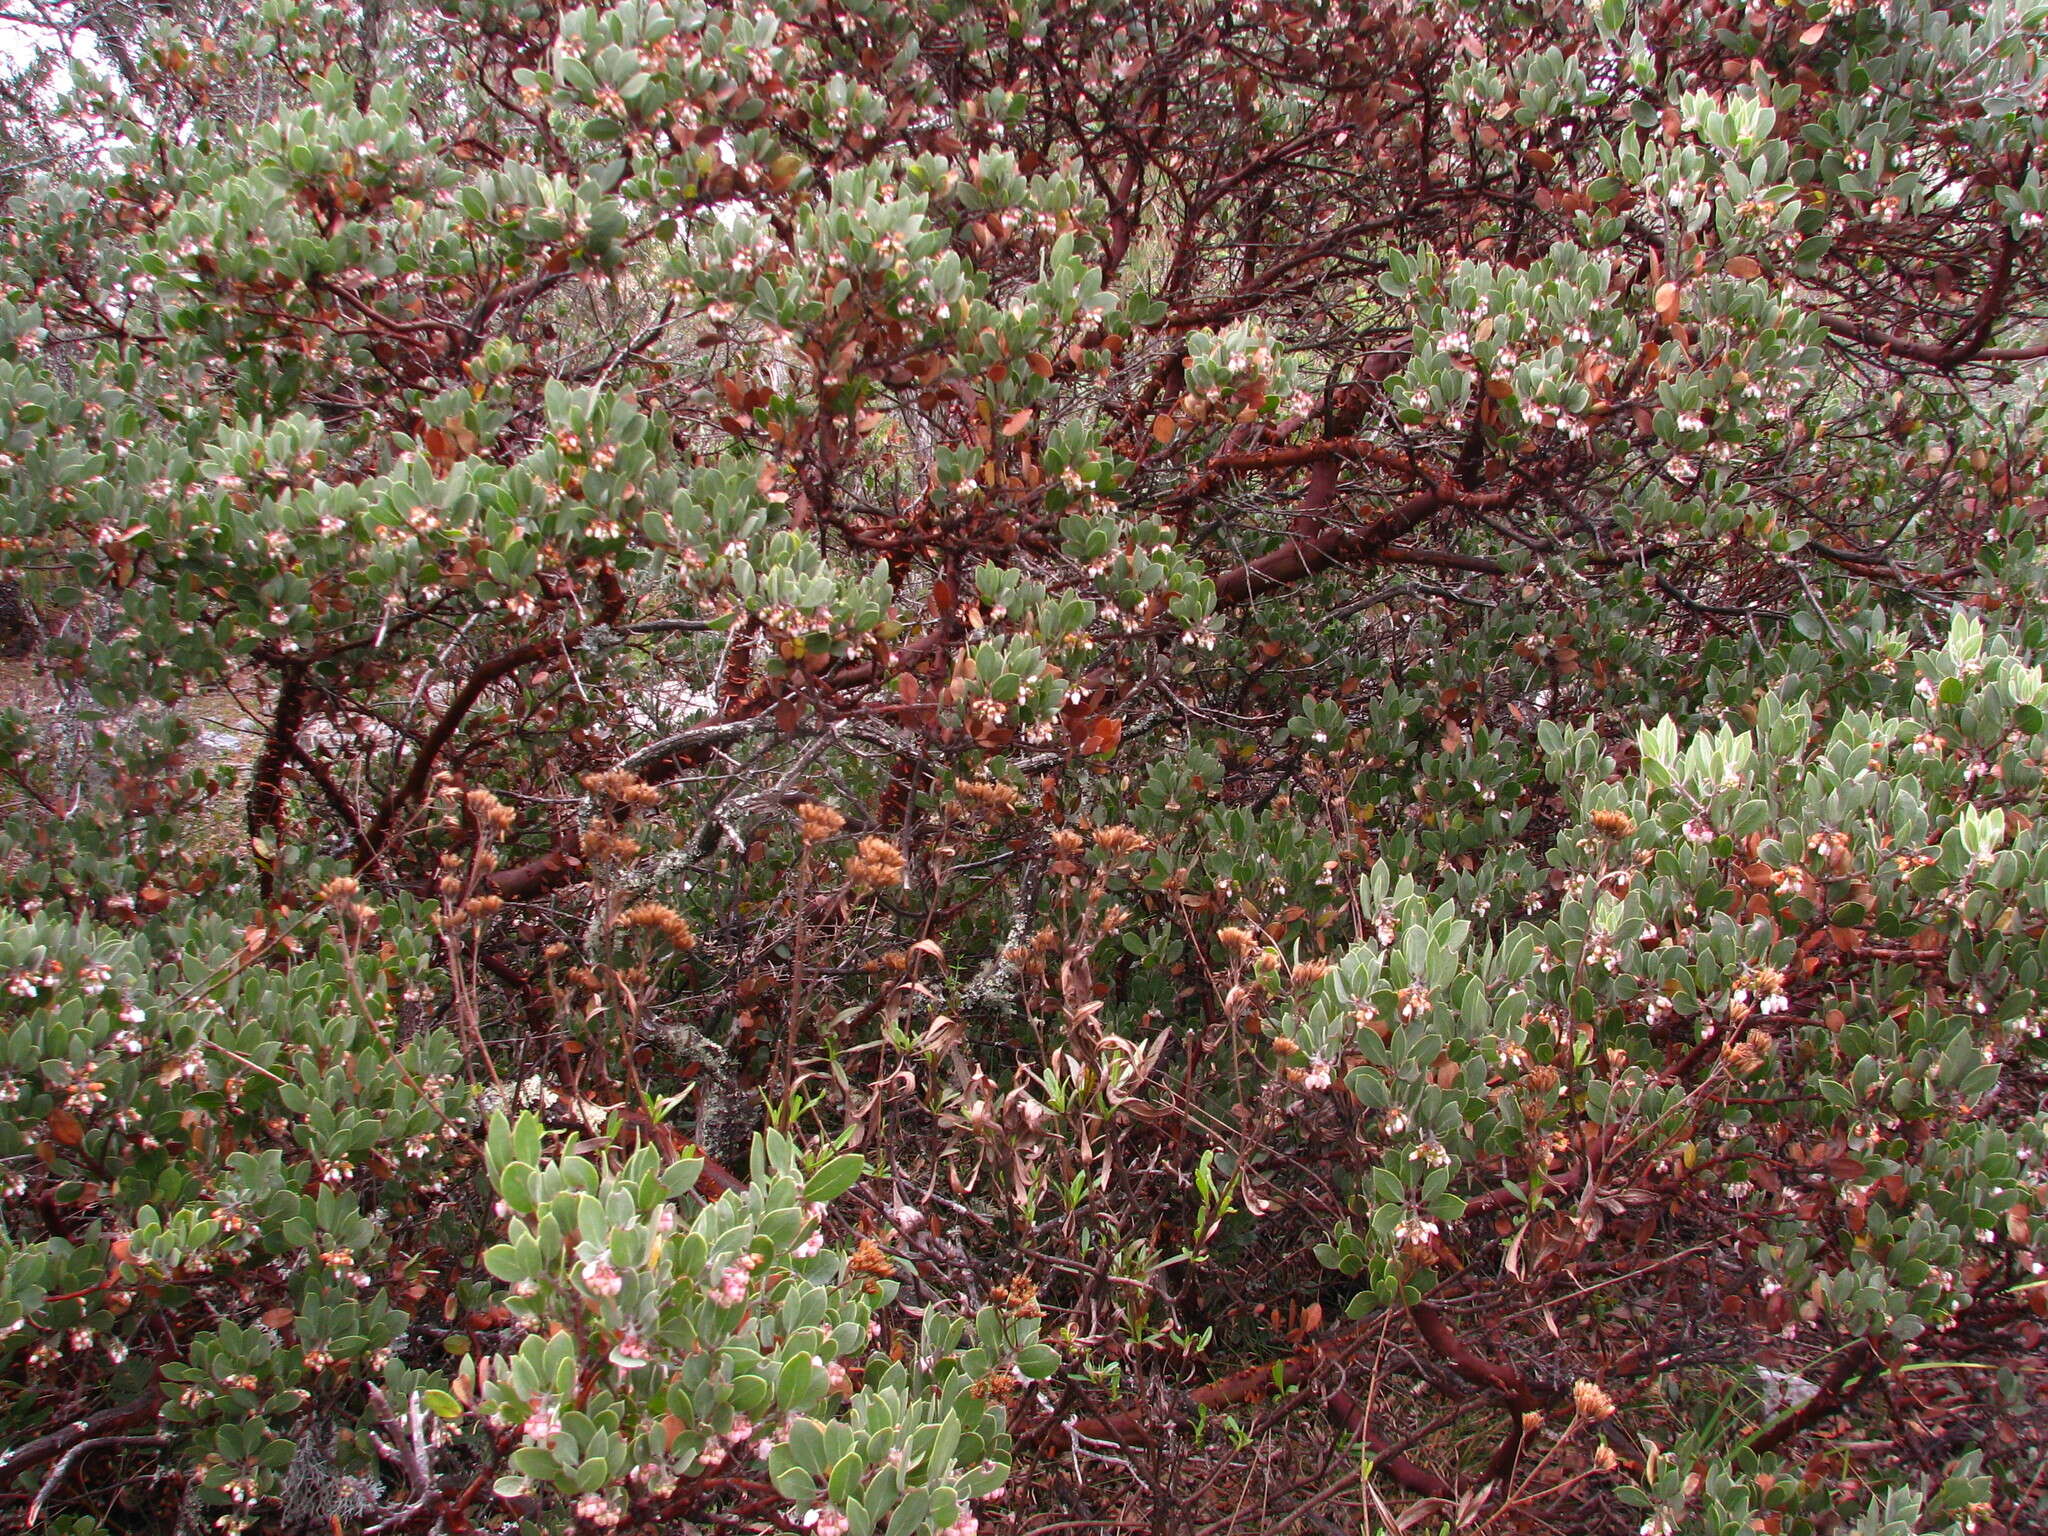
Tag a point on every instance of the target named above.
point(630, 1353)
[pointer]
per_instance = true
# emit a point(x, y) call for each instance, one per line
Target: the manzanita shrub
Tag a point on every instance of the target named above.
point(919, 766)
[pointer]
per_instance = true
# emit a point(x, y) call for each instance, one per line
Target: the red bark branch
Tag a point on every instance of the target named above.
point(415, 785)
point(1475, 1368)
point(1850, 1375)
point(1972, 343)
point(1302, 557)
point(33, 1453)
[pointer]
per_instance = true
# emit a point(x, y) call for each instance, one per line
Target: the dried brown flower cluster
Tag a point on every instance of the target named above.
point(490, 812)
point(339, 894)
point(623, 789)
point(1590, 1401)
point(603, 846)
point(876, 864)
point(1747, 1056)
point(665, 920)
point(998, 1386)
point(1119, 841)
point(818, 821)
point(1613, 824)
point(988, 797)
point(1306, 973)
point(1017, 1296)
point(871, 1259)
